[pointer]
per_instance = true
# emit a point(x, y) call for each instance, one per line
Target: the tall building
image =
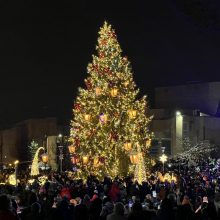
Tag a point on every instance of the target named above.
point(185, 112)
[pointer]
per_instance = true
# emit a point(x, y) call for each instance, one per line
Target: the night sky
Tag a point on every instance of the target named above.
point(45, 47)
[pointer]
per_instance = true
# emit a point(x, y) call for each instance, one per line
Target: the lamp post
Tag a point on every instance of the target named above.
point(163, 159)
point(60, 142)
point(16, 172)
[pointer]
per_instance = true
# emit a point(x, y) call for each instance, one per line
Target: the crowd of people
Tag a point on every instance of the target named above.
point(194, 195)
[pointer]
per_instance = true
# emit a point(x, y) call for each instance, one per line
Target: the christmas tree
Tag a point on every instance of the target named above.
point(109, 122)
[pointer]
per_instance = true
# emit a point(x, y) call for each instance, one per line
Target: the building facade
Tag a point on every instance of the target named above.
point(14, 141)
point(185, 112)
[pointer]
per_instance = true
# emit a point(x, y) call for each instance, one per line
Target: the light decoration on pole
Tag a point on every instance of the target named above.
point(87, 117)
point(114, 92)
point(132, 113)
point(44, 158)
point(163, 159)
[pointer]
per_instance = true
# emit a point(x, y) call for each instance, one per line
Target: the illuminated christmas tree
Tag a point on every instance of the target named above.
point(108, 121)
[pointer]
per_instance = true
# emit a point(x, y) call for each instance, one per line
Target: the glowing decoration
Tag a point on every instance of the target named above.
point(140, 171)
point(126, 83)
point(128, 146)
point(103, 118)
point(148, 142)
point(31, 181)
point(132, 114)
point(87, 117)
point(85, 159)
point(134, 158)
point(72, 149)
point(98, 91)
point(96, 162)
point(163, 159)
point(42, 180)
point(75, 159)
point(12, 179)
point(114, 92)
point(44, 157)
point(34, 166)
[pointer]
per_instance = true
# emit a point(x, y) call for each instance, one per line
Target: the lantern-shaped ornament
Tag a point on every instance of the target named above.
point(98, 91)
point(96, 162)
point(72, 149)
point(85, 159)
point(148, 142)
point(114, 92)
point(132, 113)
point(75, 159)
point(134, 158)
point(44, 157)
point(87, 117)
point(103, 118)
point(128, 146)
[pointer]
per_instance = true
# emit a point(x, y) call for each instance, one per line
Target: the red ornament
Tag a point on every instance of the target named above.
point(77, 106)
point(114, 136)
point(101, 55)
point(101, 159)
point(77, 142)
point(103, 42)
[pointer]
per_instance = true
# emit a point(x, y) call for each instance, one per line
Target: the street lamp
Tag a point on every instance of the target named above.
point(61, 156)
point(163, 159)
point(16, 171)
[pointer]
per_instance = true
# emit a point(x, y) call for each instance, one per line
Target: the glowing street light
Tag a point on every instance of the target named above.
point(163, 159)
point(16, 171)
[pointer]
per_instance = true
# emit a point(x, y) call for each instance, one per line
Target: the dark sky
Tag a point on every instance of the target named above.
point(45, 47)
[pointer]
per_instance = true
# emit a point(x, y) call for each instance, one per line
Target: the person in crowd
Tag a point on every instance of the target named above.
point(6, 212)
point(118, 212)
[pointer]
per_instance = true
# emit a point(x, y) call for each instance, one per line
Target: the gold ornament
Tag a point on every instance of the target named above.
point(85, 159)
point(128, 146)
point(87, 117)
point(132, 113)
point(114, 92)
point(72, 149)
point(134, 158)
point(98, 91)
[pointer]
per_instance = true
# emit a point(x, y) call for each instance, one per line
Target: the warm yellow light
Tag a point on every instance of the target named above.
point(114, 92)
point(87, 117)
point(128, 146)
point(85, 159)
point(148, 142)
point(96, 161)
point(98, 91)
point(16, 162)
point(126, 83)
point(72, 149)
point(132, 114)
point(163, 158)
point(44, 157)
point(134, 158)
